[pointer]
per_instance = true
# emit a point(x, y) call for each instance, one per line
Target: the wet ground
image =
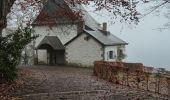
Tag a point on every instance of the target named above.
point(74, 83)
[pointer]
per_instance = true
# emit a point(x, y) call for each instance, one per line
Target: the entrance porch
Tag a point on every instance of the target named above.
point(53, 51)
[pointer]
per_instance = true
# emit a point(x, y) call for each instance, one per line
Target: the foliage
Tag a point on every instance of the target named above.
point(8, 90)
point(121, 57)
point(10, 52)
point(120, 54)
point(123, 10)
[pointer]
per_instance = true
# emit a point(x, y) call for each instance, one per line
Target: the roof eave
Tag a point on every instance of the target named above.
point(56, 23)
point(116, 44)
point(81, 34)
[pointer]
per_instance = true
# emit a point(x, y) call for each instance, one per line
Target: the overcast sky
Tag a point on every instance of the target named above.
point(147, 44)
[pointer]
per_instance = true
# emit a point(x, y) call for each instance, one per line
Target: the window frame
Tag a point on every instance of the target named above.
point(110, 55)
point(87, 38)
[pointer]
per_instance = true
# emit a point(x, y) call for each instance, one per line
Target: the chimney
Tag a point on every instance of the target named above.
point(80, 27)
point(104, 26)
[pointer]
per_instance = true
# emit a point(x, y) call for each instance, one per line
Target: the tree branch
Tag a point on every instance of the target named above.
point(155, 8)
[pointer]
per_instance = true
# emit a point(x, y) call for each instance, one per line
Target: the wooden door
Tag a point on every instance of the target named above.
point(60, 57)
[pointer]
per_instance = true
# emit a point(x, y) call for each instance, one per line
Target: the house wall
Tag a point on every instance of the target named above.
point(42, 56)
point(114, 49)
point(83, 52)
point(63, 32)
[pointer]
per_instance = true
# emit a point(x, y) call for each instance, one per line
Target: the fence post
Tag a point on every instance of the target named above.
point(168, 80)
point(157, 82)
point(138, 78)
point(147, 80)
point(127, 76)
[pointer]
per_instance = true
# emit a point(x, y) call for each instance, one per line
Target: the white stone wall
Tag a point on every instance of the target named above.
point(106, 53)
point(42, 56)
point(27, 55)
point(63, 32)
point(83, 52)
point(114, 49)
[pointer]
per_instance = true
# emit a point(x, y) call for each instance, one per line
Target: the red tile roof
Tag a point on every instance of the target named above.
point(56, 11)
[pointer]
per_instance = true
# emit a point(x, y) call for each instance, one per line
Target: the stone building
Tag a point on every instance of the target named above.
point(69, 40)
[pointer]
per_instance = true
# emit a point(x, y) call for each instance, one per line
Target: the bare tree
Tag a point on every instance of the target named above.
point(124, 9)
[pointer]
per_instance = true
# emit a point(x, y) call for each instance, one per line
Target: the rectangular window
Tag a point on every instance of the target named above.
point(86, 38)
point(110, 54)
point(120, 52)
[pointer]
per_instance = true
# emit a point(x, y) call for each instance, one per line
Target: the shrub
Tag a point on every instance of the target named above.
point(10, 52)
point(120, 54)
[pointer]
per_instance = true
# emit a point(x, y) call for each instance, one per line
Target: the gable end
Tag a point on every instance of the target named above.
point(80, 35)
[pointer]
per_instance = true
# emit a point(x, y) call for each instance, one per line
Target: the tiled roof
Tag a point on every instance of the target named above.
point(54, 11)
point(88, 19)
point(92, 27)
point(106, 38)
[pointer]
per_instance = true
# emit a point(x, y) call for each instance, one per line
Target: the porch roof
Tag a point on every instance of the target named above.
point(52, 41)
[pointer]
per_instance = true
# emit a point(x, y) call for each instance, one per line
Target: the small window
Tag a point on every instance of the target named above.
point(110, 54)
point(87, 38)
point(102, 55)
point(120, 52)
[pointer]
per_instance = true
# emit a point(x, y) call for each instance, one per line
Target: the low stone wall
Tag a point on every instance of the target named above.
point(133, 75)
point(134, 66)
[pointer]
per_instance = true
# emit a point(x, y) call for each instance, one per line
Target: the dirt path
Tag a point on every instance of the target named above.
point(73, 83)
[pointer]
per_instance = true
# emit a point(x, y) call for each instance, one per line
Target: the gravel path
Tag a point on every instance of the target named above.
point(74, 83)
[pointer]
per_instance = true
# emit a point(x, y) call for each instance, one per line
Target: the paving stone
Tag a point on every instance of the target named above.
point(74, 83)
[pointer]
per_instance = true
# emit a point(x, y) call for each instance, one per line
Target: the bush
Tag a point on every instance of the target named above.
point(10, 52)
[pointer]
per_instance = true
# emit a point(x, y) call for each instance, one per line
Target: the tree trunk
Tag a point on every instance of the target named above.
point(5, 6)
